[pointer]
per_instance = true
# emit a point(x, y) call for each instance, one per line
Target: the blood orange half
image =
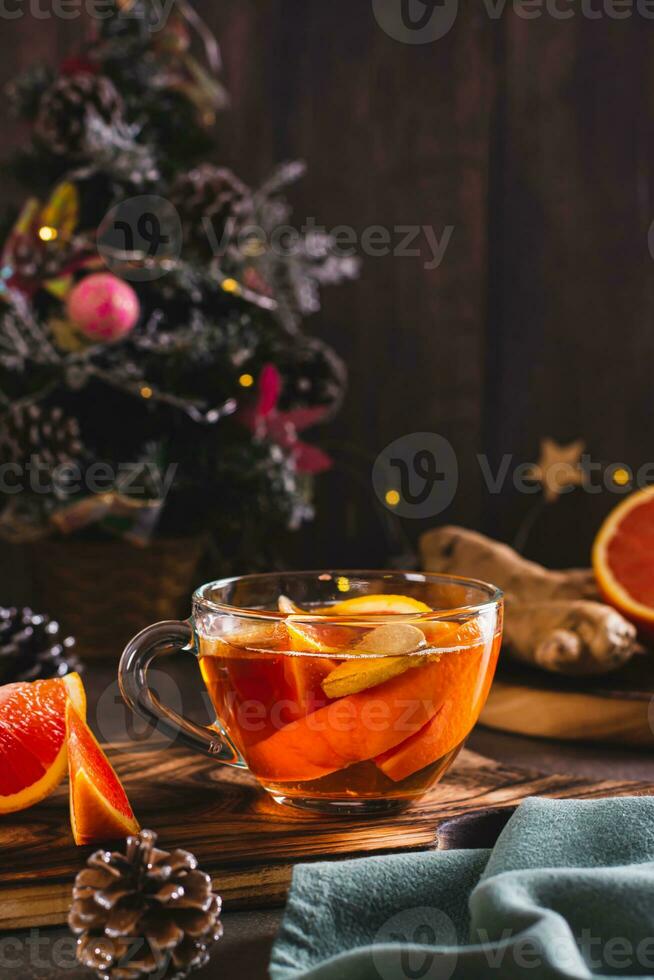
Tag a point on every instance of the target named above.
point(33, 738)
point(623, 558)
point(99, 808)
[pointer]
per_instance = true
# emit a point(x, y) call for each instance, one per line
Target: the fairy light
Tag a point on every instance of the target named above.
point(146, 391)
point(621, 477)
point(392, 498)
point(343, 583)
point(47, 233)
point(246, 381)
point(230, 286)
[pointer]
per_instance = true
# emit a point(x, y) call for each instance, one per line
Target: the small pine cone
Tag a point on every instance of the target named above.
point(144, 911)
point(32, 647)
point(69, 105)
point(214, 194)
point(43, 437)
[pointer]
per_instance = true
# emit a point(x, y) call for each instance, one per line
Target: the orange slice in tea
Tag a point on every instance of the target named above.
point(375, 605)
point(319, 638)
point(348, 730)
point(462, 679)
point(623, 558)
point(33, 738)
point(306, 673)
point(99, 808)
point(290, 608)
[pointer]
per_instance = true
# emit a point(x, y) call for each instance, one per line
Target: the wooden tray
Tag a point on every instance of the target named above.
point(615, 709)
point(246, 841)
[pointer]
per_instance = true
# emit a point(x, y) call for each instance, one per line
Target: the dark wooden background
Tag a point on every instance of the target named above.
point(534, 140)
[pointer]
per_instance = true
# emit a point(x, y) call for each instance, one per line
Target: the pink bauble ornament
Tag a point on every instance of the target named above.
point(103, 307)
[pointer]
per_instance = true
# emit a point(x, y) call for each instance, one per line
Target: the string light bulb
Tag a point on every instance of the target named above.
point(392, 498)
point(146, 391)
point(47, 233)
point(621, 477)
point(230, 286)
point(246, 381)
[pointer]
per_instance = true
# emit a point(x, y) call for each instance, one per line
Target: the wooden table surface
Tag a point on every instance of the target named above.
point(48, 954)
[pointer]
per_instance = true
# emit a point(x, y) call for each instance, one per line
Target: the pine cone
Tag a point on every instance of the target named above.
point(70, 105)
point(213, 193)
point(32, 647)
point(43, 437)
point(144, 911)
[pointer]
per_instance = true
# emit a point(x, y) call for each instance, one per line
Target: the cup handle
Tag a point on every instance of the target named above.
point(160, 640)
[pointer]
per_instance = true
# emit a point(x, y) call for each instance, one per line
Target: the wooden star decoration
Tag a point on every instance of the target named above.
point(558, 468)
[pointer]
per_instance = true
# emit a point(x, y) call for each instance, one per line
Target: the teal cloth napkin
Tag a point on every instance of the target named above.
point(567, 892)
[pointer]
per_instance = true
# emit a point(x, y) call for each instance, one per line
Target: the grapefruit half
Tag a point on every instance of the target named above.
point(33, 738)
point(623, 558)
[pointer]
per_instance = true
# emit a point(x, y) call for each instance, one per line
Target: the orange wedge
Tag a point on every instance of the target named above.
point(623, 558)
point(99, 808)
point(33, 738)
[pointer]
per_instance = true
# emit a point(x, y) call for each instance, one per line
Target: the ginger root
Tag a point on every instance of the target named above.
point(458, 551)
point(553, 620)
point(569, 636)
point(392, 642)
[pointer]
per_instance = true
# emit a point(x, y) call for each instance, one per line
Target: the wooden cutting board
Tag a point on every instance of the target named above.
point(246, 841)
point(616, 708)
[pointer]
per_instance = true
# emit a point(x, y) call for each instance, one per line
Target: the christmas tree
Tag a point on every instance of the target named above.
point(154, 377)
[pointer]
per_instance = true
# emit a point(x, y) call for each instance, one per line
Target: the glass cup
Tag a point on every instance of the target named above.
point(346, 691)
